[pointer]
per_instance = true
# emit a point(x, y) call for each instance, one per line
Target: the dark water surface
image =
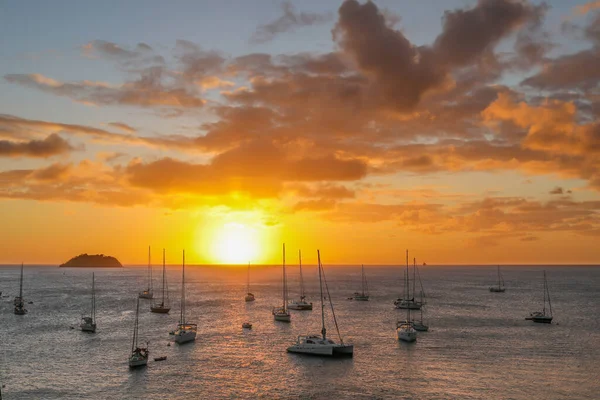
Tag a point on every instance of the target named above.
point(479, 346)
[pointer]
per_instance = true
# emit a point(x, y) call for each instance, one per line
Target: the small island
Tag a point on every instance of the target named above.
point(92, 261)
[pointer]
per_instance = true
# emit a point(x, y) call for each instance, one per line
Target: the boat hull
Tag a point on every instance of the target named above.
point(497, 290)
point(144, 295)
point(323, 351)
point(88, 328)
point(361, 298)
point(408, 305)
point(20, 311)
point(407, 336)
point(249, 298)
point(282, 317)
point(185, 337)
point(160, 310)
point(540, 320)
point(138, 363)
point(300, 306)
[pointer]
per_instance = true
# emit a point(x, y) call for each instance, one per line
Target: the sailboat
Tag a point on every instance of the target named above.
point(281, 313)
point(139, 355)
point(541, 316)
point(249, 296)
point(321, 345)
point(407, 301)
point(301, 304)
point(163, 307)
point(148, 293)
point(363, 295)
point(185, 331)
point(419, 325)
point(19, 302)
point(500, 288)
point(405, 329)
point(88, 324)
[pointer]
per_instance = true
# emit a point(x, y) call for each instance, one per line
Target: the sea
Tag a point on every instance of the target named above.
point(479, 346)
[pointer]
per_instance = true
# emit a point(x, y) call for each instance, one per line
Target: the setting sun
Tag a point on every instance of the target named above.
point(236, 243)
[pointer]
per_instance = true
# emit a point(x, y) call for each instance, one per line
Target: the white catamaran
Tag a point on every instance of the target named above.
point(301, 304)
point(249, 296)
point(321, 345)
point(148, 292)
point(88, 324)
point(363, 295)
point(19, 302)
point(185, 331)
point(281, 313)
point(500, 288)
point(139, 354)
point(164, 306)
point(542, 316)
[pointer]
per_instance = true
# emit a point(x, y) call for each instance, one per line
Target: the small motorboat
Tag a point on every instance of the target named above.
point(247, 325)
point(163, 358)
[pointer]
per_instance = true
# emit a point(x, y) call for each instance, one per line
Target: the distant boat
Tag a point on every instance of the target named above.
point(541, 316)
point(163, 358)
point(301, 304)
point(19, 302)
point(320, 345)
point(281, 313)
point(500, 288)
point(247, 325)
point(88, 324)
point(419, 325)
point(249, 296)
point(163, 307)
point(408, 300)
point(185, 331)
point(139, 355)
point(405, 329)
point(363, 295)
point(148, 293)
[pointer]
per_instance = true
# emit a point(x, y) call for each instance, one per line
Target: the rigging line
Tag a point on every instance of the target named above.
point(331, 304)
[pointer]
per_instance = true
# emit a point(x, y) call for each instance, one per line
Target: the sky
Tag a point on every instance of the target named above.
point(464, 131)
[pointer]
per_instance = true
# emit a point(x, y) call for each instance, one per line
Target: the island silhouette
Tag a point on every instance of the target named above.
point(92, 261)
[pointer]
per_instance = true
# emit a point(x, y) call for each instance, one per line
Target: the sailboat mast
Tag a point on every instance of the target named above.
point(284, 283)
point(163, 280)
point(498, 277)
point(135, 327)
point(182, 314)
point(548, 293)
point(301, 278)
point(93, 298)
point(414, 276)
point(21, 284)
point(323, 330)
point(248, 280)
point(364, 280)
point(149, 271)
point(407, 289)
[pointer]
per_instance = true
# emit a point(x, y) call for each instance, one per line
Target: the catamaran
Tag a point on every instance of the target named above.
point(500, 288)
point(281, 313)
point(88, 324)
point(185, 331)
point(405, 329)
point(363, 295)
point(19, 302)
point(301, 304)
point(419, 325)
point(148, 293)
point(163, 307)
point(407, 301)
point(249, 296)
point(139, 355)
point(321, 345)
point(541, 316)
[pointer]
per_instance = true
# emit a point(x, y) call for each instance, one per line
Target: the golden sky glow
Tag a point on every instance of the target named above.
point(467, 132)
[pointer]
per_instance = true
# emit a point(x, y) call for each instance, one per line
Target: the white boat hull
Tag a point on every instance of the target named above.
point(316, 346)
point(300, 306)
point(407, 336)
point(282, 317)
point(138, 363)
point(185, 337)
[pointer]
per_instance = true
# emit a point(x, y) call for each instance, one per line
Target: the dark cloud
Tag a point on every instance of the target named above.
point(288, 21)
point(50, 146)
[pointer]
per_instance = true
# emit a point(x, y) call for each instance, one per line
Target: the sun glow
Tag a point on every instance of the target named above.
point(236, 243)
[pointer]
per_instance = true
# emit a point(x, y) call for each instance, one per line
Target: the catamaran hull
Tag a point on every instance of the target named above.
point(160, 310)
point(185, 337)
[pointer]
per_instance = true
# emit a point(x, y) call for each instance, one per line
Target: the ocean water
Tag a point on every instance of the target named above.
point(479, 346)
